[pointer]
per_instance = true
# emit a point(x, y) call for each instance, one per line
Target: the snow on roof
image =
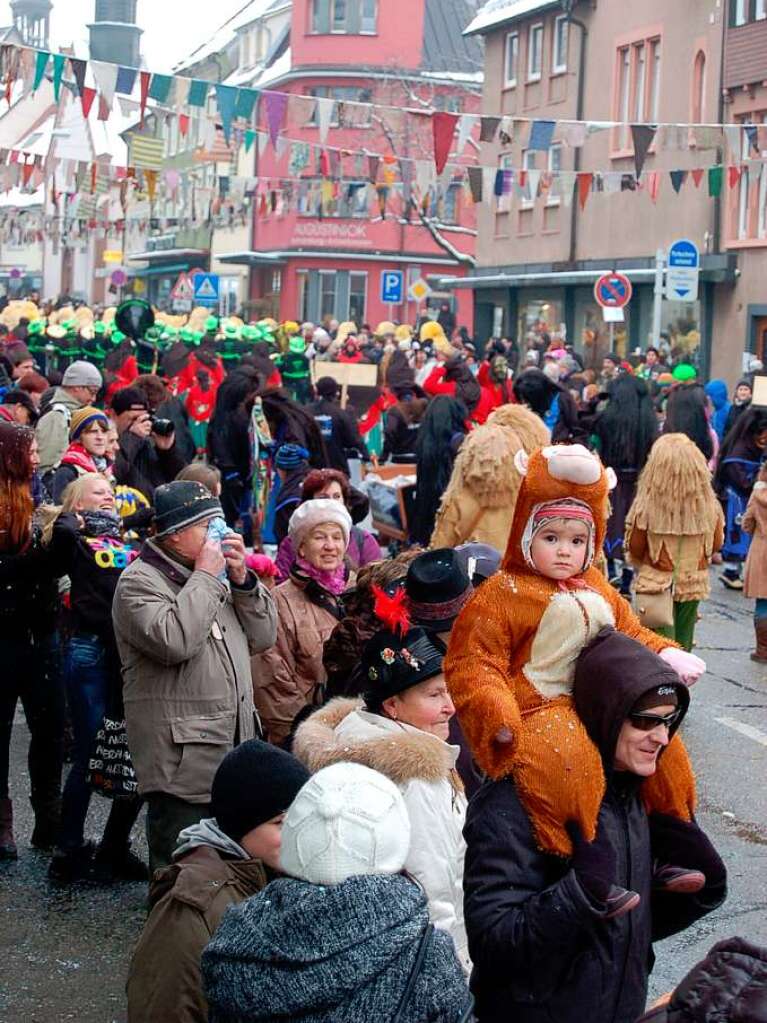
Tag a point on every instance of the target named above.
point(282, 66)
point(496, 12)
point(222, 38)
point(17, 199)
point(467, 77)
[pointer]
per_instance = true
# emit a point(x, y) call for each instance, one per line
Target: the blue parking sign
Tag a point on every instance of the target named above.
point(392, 287)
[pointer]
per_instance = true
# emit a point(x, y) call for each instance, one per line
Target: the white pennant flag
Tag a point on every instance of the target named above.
point(465, 126)
point(182, 91)
point(105, 76)
point(324, 113)
point(208, 135)
point(566, 187)
point(533, 180)
point(424, 176)
point(734, 136)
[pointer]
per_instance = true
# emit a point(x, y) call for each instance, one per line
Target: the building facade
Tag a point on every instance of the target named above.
point(114, 34)
point(327, 229)
point(540, 251)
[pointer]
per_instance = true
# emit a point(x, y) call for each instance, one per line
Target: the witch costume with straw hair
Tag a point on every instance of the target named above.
point(512, 656)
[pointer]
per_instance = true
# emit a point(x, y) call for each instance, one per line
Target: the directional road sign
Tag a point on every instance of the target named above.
point(207, 289)
point(683, 271)
point(613, 291)
point(392, 287)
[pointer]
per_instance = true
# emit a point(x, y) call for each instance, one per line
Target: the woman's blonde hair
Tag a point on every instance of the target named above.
point(674, 493)
point(73, 494)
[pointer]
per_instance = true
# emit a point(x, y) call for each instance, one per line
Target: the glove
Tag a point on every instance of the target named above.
point(684, 844)
point(261, 565)
point(687, 666)
point(594, 863)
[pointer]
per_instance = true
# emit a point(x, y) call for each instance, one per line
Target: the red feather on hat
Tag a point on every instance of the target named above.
point(391, 610)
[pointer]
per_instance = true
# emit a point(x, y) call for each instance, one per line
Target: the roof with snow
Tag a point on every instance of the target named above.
point(499, 12)
point(225, 35)
point(445, 47)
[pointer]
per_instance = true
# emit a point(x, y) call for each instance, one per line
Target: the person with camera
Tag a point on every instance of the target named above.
point(147, 455)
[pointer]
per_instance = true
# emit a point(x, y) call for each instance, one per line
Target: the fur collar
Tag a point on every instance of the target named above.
point(402, 756)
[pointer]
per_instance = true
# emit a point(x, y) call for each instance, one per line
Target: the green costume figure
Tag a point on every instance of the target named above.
point(294, 367)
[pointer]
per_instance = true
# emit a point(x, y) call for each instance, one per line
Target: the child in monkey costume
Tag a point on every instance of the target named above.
point(512, 654)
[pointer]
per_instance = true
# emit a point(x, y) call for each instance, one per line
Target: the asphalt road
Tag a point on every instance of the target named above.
point(64, 954)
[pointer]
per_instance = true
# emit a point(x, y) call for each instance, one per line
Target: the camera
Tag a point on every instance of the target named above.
point(162, 427)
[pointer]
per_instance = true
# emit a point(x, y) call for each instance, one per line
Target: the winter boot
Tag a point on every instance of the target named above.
point(8, 849)
point(118, 864)
point(760, 628)
point(47, 822)
point(71, 865)
point(732, 579)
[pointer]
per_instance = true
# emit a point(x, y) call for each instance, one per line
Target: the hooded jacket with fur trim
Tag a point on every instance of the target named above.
point(511, 661)
point(423, 768)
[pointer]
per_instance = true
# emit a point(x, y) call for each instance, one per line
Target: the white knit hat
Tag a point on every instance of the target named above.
point(311, 514)
point(346, 821)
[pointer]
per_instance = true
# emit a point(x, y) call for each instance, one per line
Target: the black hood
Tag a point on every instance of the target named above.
point(611, 674)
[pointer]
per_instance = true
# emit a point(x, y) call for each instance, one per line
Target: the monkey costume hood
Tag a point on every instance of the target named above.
point(512, 655)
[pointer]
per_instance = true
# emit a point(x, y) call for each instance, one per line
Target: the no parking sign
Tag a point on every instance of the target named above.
point(613, 291)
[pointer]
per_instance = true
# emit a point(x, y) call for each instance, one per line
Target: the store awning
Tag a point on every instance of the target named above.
point(251, 258)
point(279, 258)
point(186, 256)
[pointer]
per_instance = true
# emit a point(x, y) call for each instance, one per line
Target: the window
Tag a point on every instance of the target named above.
point(343, 115)
point(358, 288)
point(511, 60)
point(640, 72)
point(327, 293)
point(740, 11)
point(443, 203)
point(534, 52)
point(245, 60)
point(624, 87)
point(698, 88)
point(528, 164)
point(344, 17)
point(559, 56)
point(447, 102)
point(654, 97)
point(349, 199)
point(555, 166)
point(276, 281)
point(302, 279)
point(637, 96)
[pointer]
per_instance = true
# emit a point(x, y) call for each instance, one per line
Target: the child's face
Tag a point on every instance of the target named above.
point(559, 549)
point(743, 393)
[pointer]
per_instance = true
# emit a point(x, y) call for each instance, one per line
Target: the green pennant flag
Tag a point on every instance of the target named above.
point(198, 94)
point(250, 138)
point(59, 59)
point(159, 88)
point(41, 63)
point(246, 101)
point(715, 175)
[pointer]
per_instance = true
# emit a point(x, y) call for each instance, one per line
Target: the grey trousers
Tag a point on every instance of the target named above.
point(166, 816)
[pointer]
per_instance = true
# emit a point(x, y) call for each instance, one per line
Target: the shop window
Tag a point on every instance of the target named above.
point(344, 17)
point(358, 288)
point(539, 315)
point(559, 46)
point(534, 53)
point(511, 59)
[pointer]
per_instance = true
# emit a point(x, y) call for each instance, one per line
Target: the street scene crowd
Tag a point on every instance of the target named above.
point(399, 686)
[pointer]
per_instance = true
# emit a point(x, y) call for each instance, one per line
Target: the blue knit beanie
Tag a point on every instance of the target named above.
point(290, 456)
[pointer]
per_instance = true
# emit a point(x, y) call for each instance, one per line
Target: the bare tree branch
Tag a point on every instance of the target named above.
point(462, 258)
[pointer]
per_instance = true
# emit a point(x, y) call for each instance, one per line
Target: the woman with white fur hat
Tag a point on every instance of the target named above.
point(345, 937)
point(291, 675)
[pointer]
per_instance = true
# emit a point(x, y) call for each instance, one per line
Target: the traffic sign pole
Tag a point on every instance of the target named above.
point(657, 308)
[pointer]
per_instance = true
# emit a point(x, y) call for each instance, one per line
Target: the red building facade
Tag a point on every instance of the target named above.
point(331, 218)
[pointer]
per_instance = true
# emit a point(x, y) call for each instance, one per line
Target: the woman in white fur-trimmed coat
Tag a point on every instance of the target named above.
point(400, 729)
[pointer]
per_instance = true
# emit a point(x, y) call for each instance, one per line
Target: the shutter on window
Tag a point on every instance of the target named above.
point(321, 16)
point(353, 17)
point(342, 295)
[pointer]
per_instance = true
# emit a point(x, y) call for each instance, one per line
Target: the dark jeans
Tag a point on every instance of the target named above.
point(166, 817)
point(32, 674)
point(87, 677)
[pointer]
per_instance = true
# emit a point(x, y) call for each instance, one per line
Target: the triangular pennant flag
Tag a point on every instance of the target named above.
point(145, 78)
point(324, 114)
point(159, 88)
point(198, 93)
point(475, 183)
point(183, 125)
point(585, 180)
point(226, 100)
point(678, 178)
point(276, 107)
point(642, 136)
point(653, 184)
point(126, 79)
point(465, 126)
point(751, 135)
point(533, 180)
point(715, 175)
point(246, 102)
point(78, 70)
point(573, 135)
point(443, 129)
point(541, 134)
point(150, 177)
point(182, 91)
point(250, 138)
point(373, 165)
point(105, 77)
point(26, 172)
point(41, 63)
point(104, 109)
point(488, 126)
point(58, 70)
point(732, 132)
point(697, 176)
point(498, 184)
point(733, 176)
point(87, 96)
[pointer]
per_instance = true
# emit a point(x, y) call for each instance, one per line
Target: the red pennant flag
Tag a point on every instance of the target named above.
point(325, 164)
point(443, 125)
point(87, 96)
point(94, 176)
point(653, 185)
point(183, 125)
point(104, 110)
point(584, 188)
point(522, 179)
point(697, 176)
point(733, 176)
point(146, 77)
point(26, 172)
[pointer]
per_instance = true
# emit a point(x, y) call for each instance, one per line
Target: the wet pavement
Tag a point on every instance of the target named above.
point(64, 952)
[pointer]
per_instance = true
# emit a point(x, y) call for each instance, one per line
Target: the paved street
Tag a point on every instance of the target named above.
point(64, 954)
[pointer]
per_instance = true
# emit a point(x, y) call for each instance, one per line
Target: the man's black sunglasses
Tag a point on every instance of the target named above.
point(646, 722)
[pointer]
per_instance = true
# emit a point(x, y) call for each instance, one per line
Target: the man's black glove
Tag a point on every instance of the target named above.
point(594, 863)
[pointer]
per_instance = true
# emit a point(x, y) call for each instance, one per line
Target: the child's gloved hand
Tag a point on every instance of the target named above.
point(262, 565)
point(687, 666)
point(504, 736)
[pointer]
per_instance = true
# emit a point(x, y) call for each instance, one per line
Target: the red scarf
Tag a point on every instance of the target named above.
point(77, 455)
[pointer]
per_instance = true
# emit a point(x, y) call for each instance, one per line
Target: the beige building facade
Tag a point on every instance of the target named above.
point(540, 252)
